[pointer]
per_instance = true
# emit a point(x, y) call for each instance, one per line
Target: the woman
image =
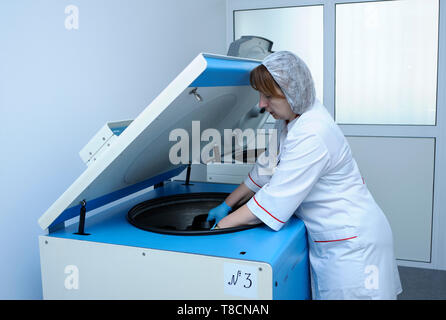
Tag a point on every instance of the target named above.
point(316, 178)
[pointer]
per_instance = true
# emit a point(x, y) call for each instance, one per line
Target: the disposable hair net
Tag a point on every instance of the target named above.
point(293, 77)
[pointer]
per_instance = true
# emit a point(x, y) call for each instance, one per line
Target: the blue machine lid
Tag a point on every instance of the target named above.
point(212, 89)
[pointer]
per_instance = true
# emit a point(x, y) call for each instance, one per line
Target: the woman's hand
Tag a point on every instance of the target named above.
point(219, 212)
point(237, 198)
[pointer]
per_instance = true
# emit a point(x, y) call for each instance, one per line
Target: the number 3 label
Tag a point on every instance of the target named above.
point(240, 280)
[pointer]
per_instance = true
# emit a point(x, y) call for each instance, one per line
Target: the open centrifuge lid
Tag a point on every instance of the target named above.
point(212, 89)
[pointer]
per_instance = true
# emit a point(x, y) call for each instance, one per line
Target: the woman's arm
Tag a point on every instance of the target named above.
point(242, 216)
point(239, 196)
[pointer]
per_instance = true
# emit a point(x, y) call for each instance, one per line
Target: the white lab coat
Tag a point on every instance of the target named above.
point(316, 178)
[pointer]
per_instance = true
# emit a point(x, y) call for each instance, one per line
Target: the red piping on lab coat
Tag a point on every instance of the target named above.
point(253, 181)
point(266, 210)
point(338, 239)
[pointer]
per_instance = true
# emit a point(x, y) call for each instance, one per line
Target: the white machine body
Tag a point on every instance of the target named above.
point(146, 273)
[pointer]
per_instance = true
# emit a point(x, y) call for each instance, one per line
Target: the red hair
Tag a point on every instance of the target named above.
point(261, 80)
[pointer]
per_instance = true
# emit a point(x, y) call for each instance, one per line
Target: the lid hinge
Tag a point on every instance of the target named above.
point(196, 95)
point(82, 219)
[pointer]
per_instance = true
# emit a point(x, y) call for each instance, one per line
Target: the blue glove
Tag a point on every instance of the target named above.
point(219, 212)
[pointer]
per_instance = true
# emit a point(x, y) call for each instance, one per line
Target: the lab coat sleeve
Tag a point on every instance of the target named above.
point(261, 172)
point(303, 161)
point(263, 168)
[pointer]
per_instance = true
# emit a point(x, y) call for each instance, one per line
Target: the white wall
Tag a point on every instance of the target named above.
point(59, 86)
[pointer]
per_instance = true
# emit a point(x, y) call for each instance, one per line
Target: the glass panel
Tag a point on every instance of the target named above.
point(386, 62)
point(296, 29)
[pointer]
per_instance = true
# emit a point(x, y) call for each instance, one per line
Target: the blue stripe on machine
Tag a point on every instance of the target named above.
point(222, 72)
point(113, 196)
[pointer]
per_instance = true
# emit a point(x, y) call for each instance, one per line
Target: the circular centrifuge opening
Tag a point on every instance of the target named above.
point(180, 214)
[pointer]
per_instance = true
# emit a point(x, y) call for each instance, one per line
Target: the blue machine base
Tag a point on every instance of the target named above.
point(286, 251)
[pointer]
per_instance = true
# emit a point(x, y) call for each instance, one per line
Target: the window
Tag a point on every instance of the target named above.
point(386, 62)
point(296, 29)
